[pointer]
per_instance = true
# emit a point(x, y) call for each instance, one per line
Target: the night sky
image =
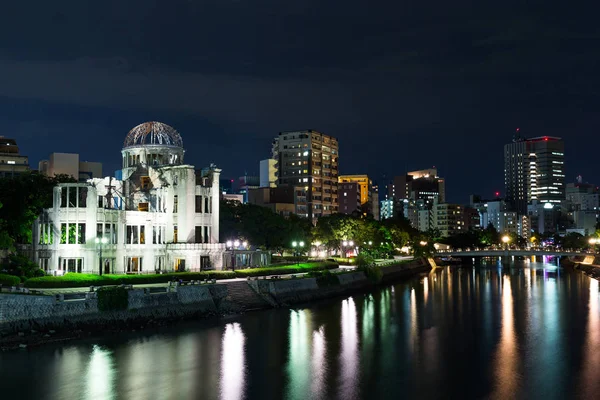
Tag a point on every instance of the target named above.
point(406, 85)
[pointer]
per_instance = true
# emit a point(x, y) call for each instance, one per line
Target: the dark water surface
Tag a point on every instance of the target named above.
point(528, 331)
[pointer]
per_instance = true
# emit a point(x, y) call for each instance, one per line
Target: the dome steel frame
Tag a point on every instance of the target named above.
point(153, 133)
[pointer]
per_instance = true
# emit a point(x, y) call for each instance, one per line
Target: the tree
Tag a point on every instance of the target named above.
point(23, 198)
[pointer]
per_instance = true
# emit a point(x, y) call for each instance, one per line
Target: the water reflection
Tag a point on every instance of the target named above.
point(319, 364)
point(100, 374)
point(590, 385)
point(299, 364)
point(525, 331)
point(233, 366)
point(506, 359)
point(348, 386)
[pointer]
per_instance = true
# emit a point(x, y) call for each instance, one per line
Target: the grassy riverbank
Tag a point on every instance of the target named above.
point(83, 280)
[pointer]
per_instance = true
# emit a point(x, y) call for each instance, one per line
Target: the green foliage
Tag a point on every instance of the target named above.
point(364, 260)
point(9, 280)
point(20, 265)
point(112, 299)
point(84, 280)
point(261, 227)
point(23, 198)
point(286, 269)
point(324, 278)
point(373, 273)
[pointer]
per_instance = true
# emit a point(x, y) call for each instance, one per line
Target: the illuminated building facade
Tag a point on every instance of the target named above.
point(12, 163)
point(308, 161)
point(162, 216)
point(534, 171)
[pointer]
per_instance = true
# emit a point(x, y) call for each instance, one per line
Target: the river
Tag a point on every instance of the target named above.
point(530, 330)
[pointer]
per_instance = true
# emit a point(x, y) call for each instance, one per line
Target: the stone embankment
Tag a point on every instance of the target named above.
point(287, 292)
point(589, 265)
point(27, 319)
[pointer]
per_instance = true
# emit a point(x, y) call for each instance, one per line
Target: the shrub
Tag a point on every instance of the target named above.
point(286, 269)
point(373, 273)
point(9, 280)
point(364, 260)
point(112, 299)
point(83, 280)
point(324, 278)
point(21, 265)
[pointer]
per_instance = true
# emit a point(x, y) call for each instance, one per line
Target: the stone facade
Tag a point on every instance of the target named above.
point(161, 215)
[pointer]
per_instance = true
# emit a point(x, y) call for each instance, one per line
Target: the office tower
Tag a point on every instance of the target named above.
point(12, 163)
point(534, 170)
point(419, 185)
point(308, 161)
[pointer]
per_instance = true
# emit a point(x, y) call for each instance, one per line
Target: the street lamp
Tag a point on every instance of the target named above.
point(345, 244)
point(593, 242)
point(100, 242)
point(505, 240)
point(297, 249)
point(232, 245)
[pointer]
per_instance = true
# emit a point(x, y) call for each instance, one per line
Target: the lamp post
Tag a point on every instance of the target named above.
point(297, 245)
point(345, 245)
point(100, 242)
point(505, 240)
point(232, 245)
point(593, 242)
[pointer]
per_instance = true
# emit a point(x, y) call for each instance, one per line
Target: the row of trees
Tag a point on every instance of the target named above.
point(265, 229)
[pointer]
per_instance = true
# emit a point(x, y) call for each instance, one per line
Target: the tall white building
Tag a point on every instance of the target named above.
point(162, 215)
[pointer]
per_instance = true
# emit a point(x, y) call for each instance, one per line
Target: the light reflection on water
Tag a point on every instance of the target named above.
point(531, 330)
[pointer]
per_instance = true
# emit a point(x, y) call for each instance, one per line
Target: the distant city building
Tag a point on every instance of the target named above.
point(226, 186)
point(448, 219)
point(12, 163)
point(350, 197)
point(544, 217)
point(386, 209)
point(268, 173)
point(238, 198)
point(308, 161)
point(280, 200)
point(534, 171)
point(472, 219)
point(245, 184)
point(369, 196)
point(419, 185)
point(69, 164)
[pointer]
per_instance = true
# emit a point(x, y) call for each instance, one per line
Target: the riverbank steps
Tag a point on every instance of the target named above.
point(29, 320)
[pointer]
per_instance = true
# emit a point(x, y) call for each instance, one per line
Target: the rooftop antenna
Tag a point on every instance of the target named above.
point(517, 135)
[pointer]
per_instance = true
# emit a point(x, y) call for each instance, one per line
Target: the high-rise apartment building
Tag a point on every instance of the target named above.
point(350, 197)
point(534, 170)
point(12, 163)
point(308, 161)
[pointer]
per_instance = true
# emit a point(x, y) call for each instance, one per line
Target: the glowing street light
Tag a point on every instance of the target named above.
point(505, 239)
point(593, 241)
point(232, 245)
point(297, 245)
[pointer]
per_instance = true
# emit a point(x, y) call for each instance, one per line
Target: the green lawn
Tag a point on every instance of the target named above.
point(83, 280)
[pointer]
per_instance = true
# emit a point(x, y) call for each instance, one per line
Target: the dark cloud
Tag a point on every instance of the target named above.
point(403, 85)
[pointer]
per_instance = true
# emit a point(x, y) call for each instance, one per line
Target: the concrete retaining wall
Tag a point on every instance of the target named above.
point(293, 291)
point(20, 311)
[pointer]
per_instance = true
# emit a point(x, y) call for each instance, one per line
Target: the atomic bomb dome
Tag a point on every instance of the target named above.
point(153, 133)
point(152, 144)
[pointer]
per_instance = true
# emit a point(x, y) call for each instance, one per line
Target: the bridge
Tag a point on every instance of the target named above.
point(511, 252)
